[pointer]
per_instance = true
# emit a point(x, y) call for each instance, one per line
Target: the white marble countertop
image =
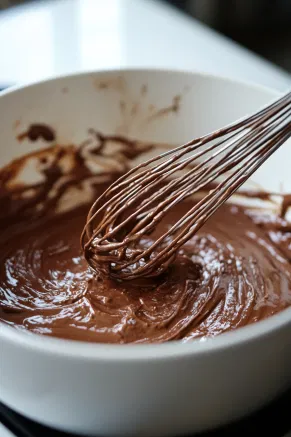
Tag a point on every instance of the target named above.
point(48, 38)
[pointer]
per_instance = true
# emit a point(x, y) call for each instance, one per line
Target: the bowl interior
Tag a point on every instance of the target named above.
point(159, 106)
point(156, 106)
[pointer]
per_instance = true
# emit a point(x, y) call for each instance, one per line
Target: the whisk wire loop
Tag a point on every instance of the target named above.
point(137, 202)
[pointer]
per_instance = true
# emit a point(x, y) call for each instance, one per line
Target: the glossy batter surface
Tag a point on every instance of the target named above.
point(234, 272)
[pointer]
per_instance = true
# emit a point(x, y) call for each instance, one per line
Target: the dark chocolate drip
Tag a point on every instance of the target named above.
point(38, 131)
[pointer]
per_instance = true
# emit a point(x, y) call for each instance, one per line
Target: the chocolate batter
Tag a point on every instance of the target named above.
point(235, 271)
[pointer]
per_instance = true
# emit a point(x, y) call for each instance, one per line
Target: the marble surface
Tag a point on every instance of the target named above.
point(47, 38)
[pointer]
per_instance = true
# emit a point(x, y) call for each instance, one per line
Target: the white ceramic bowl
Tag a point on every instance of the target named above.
point(147, 390)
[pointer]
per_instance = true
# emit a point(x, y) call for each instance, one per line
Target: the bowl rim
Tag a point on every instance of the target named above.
point(124, 70)
point(135, 352)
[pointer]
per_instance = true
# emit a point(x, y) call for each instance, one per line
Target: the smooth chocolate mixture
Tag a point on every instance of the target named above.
point(235, 271)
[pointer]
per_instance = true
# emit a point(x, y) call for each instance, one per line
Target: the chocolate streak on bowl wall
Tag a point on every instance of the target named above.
point(235, 271)
point(60, 168)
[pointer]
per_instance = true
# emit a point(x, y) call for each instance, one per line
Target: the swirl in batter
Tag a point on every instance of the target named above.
point(234, 272)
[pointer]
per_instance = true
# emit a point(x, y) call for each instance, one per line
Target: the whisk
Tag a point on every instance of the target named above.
point(132, 207)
